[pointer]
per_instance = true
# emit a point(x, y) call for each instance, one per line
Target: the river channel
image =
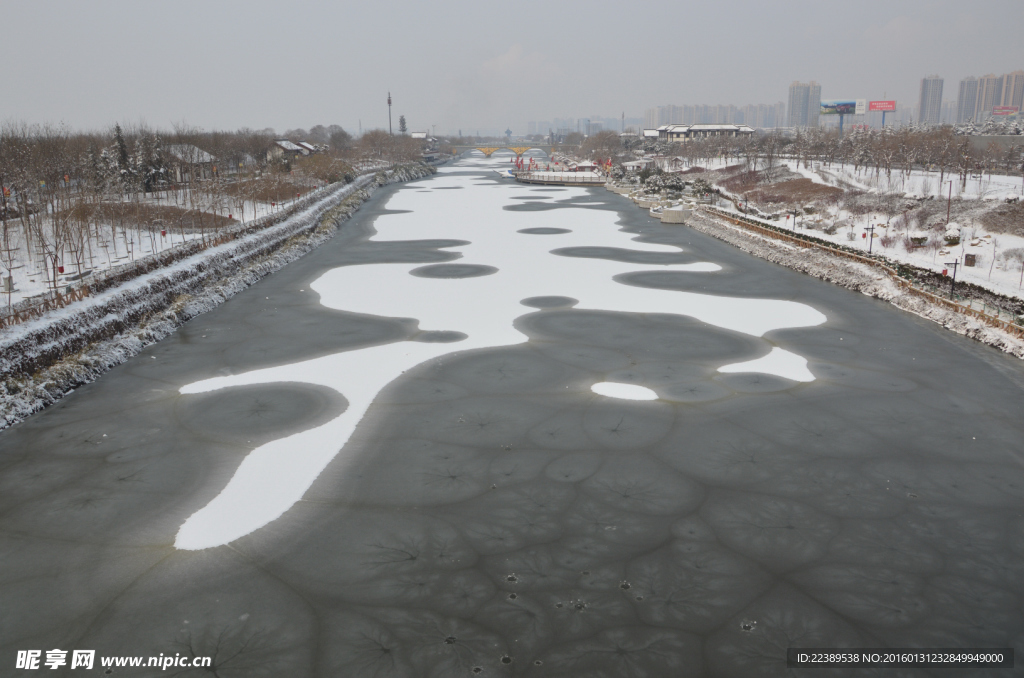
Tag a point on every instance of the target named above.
point(493, 429)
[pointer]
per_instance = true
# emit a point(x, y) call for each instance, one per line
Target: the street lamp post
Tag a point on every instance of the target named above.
point(389, 115)
point(871, 236)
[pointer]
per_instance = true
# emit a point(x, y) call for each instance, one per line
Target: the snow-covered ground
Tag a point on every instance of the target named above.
point(919, 183)
point(107, 248)
point(993, 273)
point(991, 270)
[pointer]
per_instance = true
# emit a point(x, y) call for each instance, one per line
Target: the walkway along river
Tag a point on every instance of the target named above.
point(496, 429)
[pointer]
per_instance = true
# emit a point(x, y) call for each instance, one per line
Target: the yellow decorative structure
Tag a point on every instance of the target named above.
point(518, 150)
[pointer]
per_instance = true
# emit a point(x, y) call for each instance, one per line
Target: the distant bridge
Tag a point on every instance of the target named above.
point(490, 149)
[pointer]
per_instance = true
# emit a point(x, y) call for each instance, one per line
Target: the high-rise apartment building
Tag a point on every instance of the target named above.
point(990, 95)
point(663, 115)
point(978, 96)
point(948, 114)
point(967, 100)
point(929, 110)
point(1013, 90)
point(747, 115)
point(804, 104)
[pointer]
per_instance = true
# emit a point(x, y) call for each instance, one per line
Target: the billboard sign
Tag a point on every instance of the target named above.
point(1004, 110)
point(882, 106)
point(839, 107)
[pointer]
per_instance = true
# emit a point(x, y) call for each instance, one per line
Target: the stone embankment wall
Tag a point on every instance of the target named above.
point(45, 358)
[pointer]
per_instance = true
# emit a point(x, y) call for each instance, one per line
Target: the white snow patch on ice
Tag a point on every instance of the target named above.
point(779, 362)
point(613, 389)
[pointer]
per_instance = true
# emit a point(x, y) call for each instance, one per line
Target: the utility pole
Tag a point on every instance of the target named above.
point(390, 131)
point(949, 202)
point(952, 284)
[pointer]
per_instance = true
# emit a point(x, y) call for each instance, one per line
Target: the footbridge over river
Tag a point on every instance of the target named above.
point(491, 149)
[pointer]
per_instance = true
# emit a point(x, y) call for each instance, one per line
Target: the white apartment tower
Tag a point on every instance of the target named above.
point(990, 95)
point(1013, 90)
point(929, 111)
point(804, 104)
point(967, 100)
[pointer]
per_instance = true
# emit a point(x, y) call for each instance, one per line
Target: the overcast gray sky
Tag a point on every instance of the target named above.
point(222, 64)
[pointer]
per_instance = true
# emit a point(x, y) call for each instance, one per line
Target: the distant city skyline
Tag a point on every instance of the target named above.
point(455, 65)
point(754, 115)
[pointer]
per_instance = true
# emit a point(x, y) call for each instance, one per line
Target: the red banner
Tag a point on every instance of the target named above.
point(882, 106)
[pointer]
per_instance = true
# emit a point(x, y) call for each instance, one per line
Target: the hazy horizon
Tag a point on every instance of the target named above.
point(475, 67)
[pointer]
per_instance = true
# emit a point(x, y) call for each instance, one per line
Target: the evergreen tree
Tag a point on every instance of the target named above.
point(148, 164)
point(401, 124)
point(124, 165)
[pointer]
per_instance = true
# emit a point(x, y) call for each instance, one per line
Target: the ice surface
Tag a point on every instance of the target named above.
point(276, 475)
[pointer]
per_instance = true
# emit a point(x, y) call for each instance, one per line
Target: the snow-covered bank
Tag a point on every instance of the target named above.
point(856, 276)
point(42, 360)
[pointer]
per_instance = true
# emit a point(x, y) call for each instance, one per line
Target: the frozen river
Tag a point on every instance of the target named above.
point(495, 429)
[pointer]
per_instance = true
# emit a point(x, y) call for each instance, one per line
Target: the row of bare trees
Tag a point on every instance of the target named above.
point(69, 199)
point(889, 152)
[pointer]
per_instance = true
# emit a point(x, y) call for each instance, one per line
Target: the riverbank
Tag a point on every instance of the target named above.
point(46, 358)
point(855, 276)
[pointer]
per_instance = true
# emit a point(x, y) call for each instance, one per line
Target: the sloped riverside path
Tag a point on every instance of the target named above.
point(490, 513)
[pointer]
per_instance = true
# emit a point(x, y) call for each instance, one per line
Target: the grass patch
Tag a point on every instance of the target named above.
point(266, 189)
point(146, 215)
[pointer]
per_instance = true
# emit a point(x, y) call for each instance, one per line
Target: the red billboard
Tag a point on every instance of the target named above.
point(1004, 110)
point(882, 106)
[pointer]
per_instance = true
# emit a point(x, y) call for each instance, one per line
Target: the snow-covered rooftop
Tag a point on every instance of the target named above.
point(706, 127)
point(188, 153)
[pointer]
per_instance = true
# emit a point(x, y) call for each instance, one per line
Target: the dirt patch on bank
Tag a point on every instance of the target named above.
point(1005, 219)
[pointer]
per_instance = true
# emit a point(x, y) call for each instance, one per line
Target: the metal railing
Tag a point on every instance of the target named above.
point(568, 178)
